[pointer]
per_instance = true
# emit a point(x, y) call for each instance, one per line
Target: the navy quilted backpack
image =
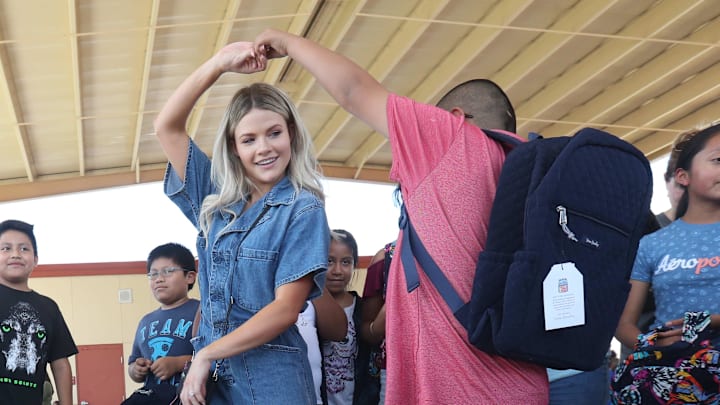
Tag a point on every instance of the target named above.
point(582, 200)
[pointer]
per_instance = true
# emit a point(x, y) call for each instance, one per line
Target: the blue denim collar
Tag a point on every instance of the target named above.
point(282, 193)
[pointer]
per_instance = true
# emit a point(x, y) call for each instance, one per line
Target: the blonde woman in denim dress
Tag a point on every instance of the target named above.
point(254, 280)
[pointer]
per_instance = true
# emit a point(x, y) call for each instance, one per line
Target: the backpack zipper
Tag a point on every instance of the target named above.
point(563, 222)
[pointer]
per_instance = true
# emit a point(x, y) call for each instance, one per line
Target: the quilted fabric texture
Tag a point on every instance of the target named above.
point(604, 184)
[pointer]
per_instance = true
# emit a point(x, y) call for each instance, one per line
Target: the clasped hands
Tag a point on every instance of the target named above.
point(252, 57)
point(163, 368)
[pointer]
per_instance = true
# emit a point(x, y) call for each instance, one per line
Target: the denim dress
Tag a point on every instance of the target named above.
point(291, 240)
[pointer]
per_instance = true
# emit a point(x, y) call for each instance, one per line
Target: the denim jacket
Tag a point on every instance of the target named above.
point(290, 240)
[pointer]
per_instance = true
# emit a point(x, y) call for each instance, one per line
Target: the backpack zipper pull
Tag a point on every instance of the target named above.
point(562, 220)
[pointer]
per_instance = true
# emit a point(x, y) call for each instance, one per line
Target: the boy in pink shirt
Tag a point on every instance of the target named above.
point(448, 171)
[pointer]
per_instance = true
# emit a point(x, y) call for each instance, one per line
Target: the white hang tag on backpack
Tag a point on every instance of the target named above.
point(564, 297)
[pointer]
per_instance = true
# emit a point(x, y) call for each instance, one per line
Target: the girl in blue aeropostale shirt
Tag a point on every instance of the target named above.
point(682, 261)
point(263, 236)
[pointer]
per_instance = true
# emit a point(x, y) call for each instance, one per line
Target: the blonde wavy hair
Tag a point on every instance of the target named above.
point(227, 172)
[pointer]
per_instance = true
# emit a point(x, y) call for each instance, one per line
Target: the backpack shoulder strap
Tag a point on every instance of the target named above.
point(412, 249)
point(502, 138)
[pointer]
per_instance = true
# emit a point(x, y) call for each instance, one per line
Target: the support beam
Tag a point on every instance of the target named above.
point(341, 22)
point(99, 179)
point(349, 173)
point(9, 93)
point(298, 26)
point(77, 94)
point(144, 83)
point(365, 152)
point(42, 187)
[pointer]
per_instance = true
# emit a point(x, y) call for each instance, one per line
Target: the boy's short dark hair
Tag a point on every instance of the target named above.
point(343, 236)
point(20, 226)
point(484, 101)
point(177, 253)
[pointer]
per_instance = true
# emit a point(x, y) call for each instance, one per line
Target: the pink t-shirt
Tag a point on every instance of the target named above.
point(448, 171)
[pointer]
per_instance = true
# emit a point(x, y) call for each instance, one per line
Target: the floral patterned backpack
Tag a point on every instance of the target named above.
point(686, 372)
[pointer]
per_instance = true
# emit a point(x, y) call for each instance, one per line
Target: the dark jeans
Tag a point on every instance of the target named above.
point(586, 388)
point(157, 395)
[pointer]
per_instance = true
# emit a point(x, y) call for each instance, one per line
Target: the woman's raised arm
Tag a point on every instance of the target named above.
point(170, 123)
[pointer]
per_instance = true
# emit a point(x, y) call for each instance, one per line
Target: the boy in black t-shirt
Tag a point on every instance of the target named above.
point(33, 332)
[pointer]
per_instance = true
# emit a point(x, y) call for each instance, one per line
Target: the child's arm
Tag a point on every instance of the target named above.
point(627, 330)
point(170, 123)
point(63, 380)
point(330, 317)
point(166, 367)
point(265, 325)
point(349, 84)
point(372, 322)
point(138, 369)
point(372, 328)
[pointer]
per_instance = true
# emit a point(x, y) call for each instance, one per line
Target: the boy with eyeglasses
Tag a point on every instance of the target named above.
point(162, 342)
point(33, 331)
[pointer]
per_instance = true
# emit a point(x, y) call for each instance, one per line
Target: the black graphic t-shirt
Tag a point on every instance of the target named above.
point(33, 333)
